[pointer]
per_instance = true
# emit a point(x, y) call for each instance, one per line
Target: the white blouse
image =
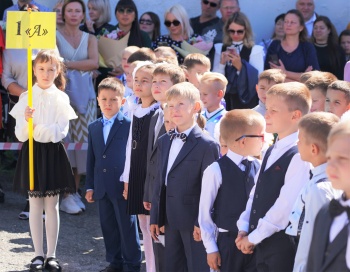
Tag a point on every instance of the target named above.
point(50, 118)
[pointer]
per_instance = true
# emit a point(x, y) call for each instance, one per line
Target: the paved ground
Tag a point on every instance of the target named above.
point(80, 243)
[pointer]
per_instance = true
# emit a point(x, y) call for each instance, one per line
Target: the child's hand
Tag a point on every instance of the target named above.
point(197, 234)
point(28, 113)
point(147, 205)
point(125, 192)
point(245, 246)
point(154, 229)
point(89, 196)
point(238, 240)
point(214, 260)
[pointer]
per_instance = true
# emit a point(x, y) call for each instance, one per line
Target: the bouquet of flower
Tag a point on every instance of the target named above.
point(110, 47)
point(199, 44)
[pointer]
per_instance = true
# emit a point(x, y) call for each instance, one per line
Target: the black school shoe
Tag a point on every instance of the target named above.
point(37, 267)
point(110, 268)
point(52, 265)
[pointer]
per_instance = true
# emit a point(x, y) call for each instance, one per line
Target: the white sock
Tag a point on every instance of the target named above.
point(144, 221)
point(36, 224)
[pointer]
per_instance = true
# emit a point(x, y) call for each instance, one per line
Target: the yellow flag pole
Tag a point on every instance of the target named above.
point(30, 120)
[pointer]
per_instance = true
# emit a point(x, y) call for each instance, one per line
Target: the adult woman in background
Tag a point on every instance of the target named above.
point(127, 16)
point(58, 9)
point(294, 55)
point(330, 55)
point(278, 33)
point(178, 24)
point(150, 23)
point(100, 15)
point(240, 61)
point(344, 42)
point(79, 50)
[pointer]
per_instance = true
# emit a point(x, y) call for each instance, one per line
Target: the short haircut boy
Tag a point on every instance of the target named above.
point(342, 86)
point(320, 81)
point(273, 75)
point(112, 83)
point(166, 53)
point(130, 49)
point(142, 54)
point(317, 126)
point(296, 95)
point(239, 122)
point(216, 80)
point(305, 76)
point(196, 58)
point(341, 129)
point(184, 89)
point(175, 73)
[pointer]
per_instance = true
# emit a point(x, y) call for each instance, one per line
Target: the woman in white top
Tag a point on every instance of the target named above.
point(240, 61)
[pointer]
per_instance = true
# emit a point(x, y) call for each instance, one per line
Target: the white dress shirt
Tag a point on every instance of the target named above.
point(159, 123)
point(338, 224)
point(213, 121)
point(175, 149)
point(139, 112)
point(50, 118)
point(276, 218)
point(256, 58)
point(211, 182)
point(310, 24)
point(312, 196)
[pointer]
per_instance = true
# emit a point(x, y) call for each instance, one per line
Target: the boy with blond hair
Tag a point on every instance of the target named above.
point(212, 88)
point(338, 97)
point(278, 183)
point(330, 246)
point(223, 198)
point(267, 79)
point(195, 65)
point(317, 85)
point(183, 155)
point(312, 145)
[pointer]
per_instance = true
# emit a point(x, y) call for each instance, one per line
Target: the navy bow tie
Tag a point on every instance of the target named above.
point(173, 135)
point(335, 208)
point(106, 122)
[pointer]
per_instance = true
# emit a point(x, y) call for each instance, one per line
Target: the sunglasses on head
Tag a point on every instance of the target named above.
point(146, 22)
point(212, 4)
point(125, 10)
point(239, 32)
point(250, 136)
point(175, 23)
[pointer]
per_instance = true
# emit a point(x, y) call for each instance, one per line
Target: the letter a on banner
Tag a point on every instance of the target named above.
point(30, 30)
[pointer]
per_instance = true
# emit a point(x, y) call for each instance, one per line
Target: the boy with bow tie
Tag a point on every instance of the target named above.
point(183, 155)
point(330, 246)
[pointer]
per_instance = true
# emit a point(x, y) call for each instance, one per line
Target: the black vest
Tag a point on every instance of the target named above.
point(339, 262)
point(268, 185)
point(231, 199)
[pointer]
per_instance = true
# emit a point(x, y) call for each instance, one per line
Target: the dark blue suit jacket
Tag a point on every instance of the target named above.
point(179, 201)
point(105, 162)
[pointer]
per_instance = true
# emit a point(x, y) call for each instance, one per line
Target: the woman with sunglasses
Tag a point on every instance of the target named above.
point(100, 15)
point(150, 23)
point(127, 16)
point(294, 55)
point(178, 25)
point(240, 61)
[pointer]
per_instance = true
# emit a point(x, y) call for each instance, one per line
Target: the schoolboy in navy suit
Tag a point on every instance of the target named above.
point(226, 186)
point(278, 183)
point(183, 155)
point(164, 76)
point(105, 163)
point(330, 246)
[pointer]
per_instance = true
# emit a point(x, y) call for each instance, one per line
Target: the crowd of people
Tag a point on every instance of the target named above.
point(233, 158)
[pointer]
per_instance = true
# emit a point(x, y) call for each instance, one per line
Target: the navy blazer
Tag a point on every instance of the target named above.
point(178, 202)
point(105, 162)
point(152, 159)
point(317, 260)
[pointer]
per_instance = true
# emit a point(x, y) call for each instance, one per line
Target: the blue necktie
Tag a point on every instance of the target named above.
point(173, 135)
point(249, 175)
point(107, 124)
